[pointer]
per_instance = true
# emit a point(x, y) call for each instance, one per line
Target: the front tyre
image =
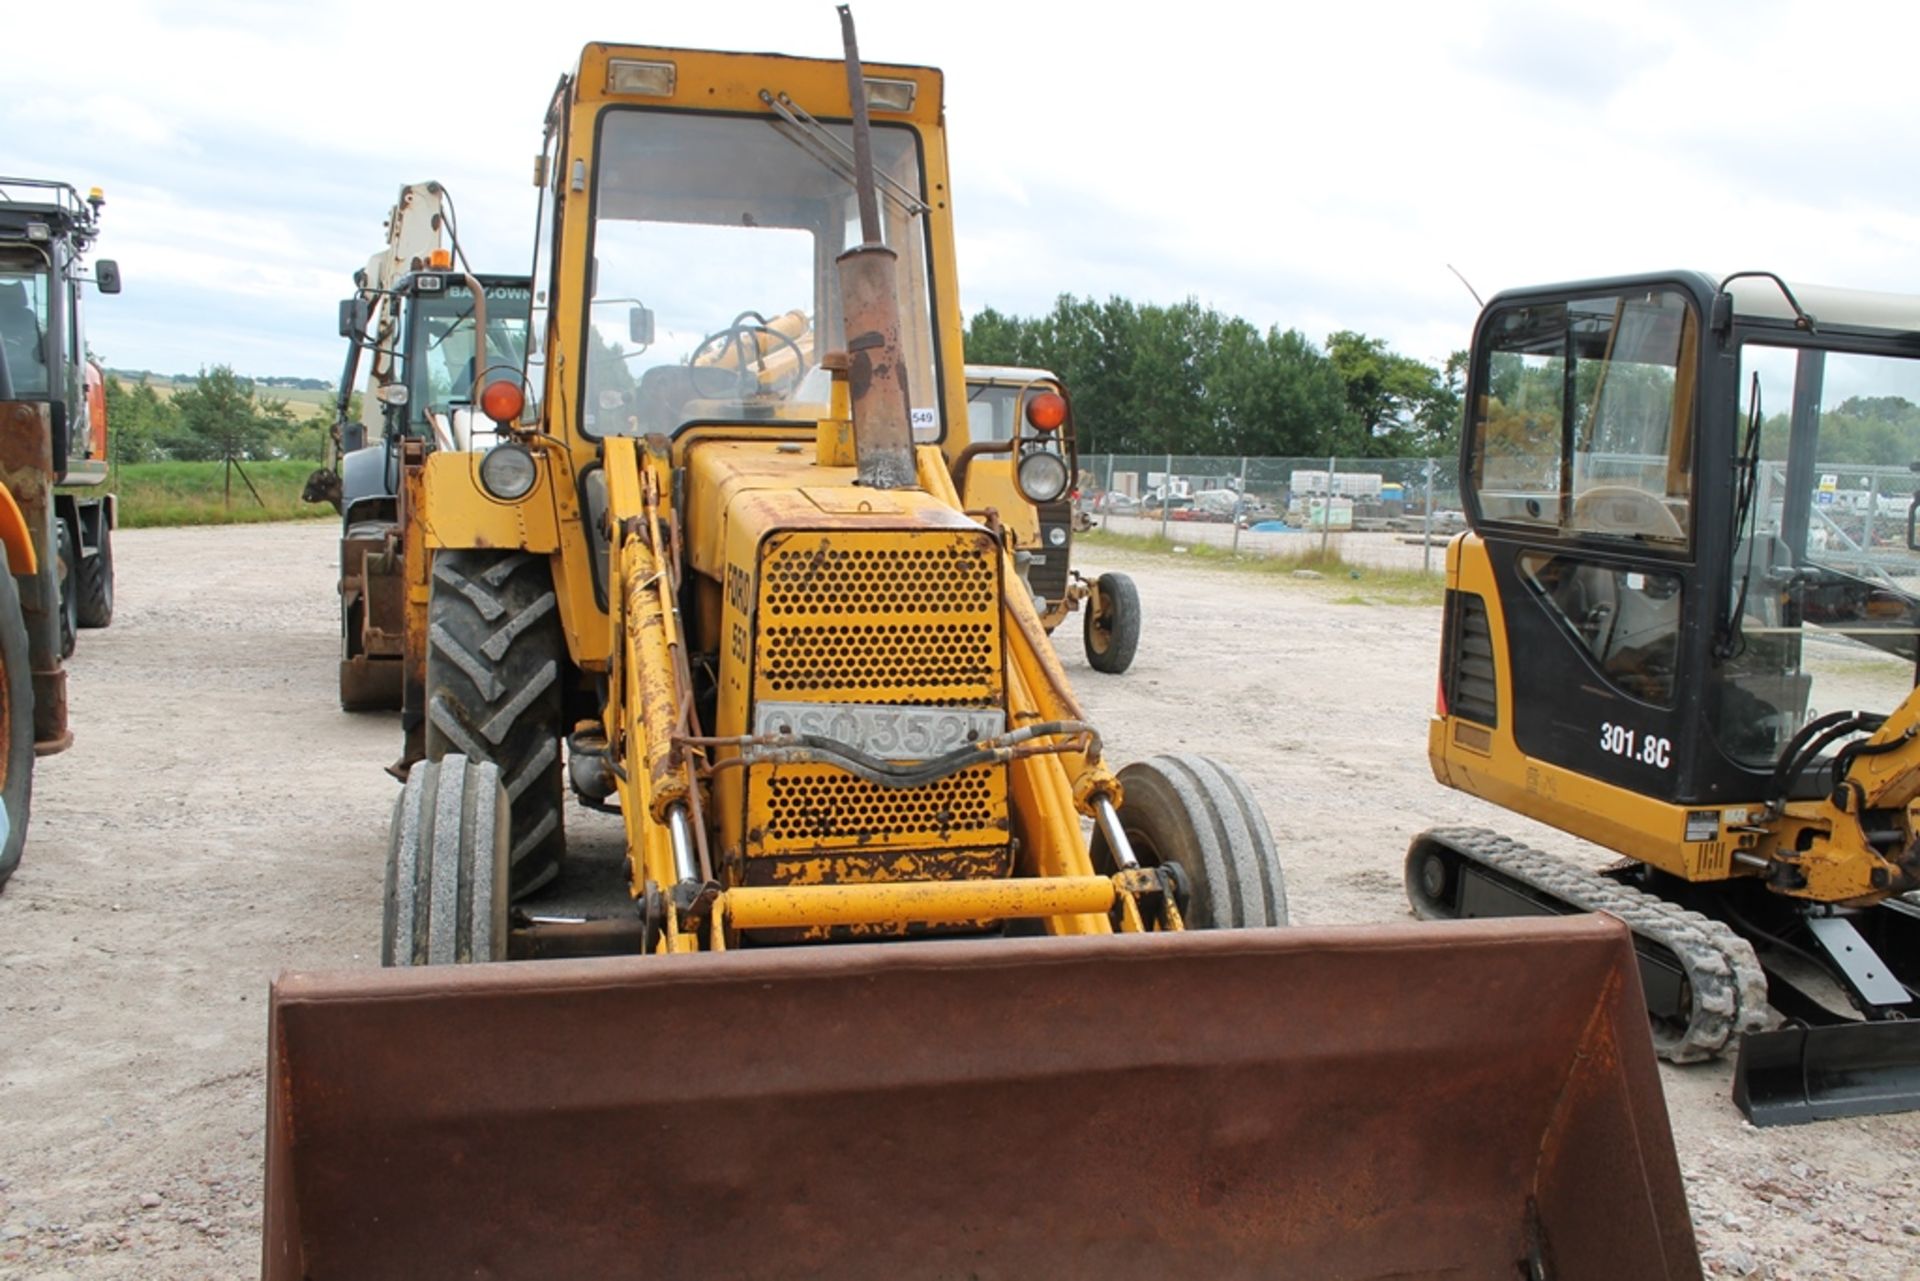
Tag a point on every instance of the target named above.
point(1112, 627)
point(95, 577)
point(493, 693)
point(16, 723)
point(1195, 814)
point(446, 899)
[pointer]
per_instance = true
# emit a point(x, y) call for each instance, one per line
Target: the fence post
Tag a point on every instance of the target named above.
point(1239, 502)
point(1426, 526)
point(1326, 513)
point(1166, 495)
point(1873, 510)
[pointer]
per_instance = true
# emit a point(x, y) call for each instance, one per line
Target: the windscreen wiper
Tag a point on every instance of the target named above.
point(823, 145)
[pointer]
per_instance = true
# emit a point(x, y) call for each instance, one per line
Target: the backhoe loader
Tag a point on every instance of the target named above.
point(1682, 627)
point(745, 592)
point(1021, 460)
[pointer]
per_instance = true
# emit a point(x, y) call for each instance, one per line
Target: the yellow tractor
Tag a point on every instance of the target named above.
point(1020, 465)
point(715, 573)
point(1683, 626)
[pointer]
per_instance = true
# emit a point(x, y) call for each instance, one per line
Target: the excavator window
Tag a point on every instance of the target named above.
point(1824, 579)
point(727, 229)
point(1628, 620)
point(1583, 417)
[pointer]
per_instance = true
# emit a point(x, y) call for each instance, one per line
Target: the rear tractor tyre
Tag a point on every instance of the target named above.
point(494, 654)
point(96, 582)
point(446, 900)
point(66, 576)
point(1112, 627)
point(16, 724)
point(1196, 814)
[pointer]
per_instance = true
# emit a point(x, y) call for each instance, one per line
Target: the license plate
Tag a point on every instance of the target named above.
point(890, 733)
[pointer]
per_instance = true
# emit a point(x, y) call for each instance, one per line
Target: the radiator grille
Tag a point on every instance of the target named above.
point(903, 617)
point(951, 579)
point(822, 804)
point(895, 657)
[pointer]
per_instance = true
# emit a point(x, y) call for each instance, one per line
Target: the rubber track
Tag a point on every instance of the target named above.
point(1729, 985)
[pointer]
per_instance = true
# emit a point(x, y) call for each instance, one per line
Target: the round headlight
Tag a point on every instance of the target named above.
point(508, 472)
point(1057, 536)
point(1043, 476)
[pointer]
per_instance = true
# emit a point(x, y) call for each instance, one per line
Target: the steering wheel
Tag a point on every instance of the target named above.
point(1622, 509)
point(742, 381)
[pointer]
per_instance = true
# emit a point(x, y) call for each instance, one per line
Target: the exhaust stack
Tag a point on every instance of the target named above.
point(876, 379)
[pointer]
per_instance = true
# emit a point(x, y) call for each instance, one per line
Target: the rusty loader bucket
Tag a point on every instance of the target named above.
point(1470, 1099)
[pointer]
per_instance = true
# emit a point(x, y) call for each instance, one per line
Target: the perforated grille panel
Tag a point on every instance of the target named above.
point(904, 617)
point(817, 804)
point(898, 618)
point(893, 657)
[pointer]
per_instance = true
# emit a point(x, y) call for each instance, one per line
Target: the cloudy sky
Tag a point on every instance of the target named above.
point(1313, 167)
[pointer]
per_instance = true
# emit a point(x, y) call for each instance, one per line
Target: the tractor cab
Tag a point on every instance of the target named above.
point(45, 229)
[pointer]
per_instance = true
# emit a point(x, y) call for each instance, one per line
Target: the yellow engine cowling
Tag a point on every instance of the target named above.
point(851, 613)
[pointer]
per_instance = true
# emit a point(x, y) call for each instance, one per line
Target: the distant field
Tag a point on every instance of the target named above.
point(305, 403)
point(197, 494)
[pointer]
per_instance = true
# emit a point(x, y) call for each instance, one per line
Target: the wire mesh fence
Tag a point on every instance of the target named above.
point(1387, 512)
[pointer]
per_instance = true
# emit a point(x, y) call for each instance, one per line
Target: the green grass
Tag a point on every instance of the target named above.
point(1342, 581)
point(195, 494)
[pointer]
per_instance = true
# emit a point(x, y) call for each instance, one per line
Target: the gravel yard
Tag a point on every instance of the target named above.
point(219, 819)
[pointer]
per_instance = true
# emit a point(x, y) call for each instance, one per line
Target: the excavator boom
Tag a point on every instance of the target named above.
point(1475, 1099)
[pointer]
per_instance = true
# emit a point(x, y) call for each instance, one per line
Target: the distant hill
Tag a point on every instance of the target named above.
point(308, 397)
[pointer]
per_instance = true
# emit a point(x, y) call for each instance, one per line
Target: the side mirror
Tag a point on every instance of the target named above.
point(106, 274)
point(356, 313)
point(640, 326)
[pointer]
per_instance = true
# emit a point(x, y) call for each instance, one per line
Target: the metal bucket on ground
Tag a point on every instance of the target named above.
point(1467, 1099)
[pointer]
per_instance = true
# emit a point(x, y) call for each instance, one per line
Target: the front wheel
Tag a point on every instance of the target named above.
point(16, 724)
point(66, 575)
point(1112, 626)
point(1193, 813)
point(494, 655)
point(95, 575)
point(446, 899)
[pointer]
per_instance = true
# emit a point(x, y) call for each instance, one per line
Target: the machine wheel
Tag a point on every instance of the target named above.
point(1112, 626)
point(1196, 814)
point(493, 691)
point(16, 724)
point(95, 608)
point(446, 900)
point(66, 575)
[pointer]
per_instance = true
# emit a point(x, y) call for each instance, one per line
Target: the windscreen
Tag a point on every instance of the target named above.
point(440, 356)
point(714, 292)
point(1825, 582)
point(23, 328)
point(1583, 417)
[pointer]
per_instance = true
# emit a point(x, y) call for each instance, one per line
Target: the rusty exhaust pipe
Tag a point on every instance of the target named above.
point(876, 379)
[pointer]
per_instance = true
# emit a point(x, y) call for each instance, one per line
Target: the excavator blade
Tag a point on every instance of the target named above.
point(1800, 1074)
point(1465, 1099)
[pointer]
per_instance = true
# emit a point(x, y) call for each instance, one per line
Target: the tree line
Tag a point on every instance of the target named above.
point(219, 415)
point(1185, 379)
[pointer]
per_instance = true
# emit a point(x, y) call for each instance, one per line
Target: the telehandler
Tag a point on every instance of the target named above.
point(413, 317)
point(1021, 461)
point(1678, 628)
point(779, 648)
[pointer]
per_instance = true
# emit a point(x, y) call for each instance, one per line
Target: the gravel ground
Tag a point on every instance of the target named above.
point(219, 819)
